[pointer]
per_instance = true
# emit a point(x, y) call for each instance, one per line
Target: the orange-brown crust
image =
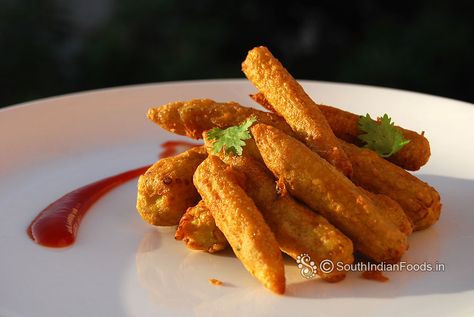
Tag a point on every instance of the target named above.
point(192, 118)
point(198, 230)
point(297, 229)
point(199, 115)
point(290, 100)
point(375, 276)
point(323, 188)
point(262, 101)
point(166, 189)
point(241, 222)
point(420, 201)
point(215, 282)
point(345, 126)
point(392, 211)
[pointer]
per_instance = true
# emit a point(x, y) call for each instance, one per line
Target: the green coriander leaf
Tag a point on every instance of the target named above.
point(381, 136)
point(232, 138)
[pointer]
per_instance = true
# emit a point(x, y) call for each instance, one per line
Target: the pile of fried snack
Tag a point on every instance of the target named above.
point(303, 183)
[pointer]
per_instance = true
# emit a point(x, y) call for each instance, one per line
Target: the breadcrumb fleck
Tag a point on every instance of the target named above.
point(375, 276)
point(215, 282)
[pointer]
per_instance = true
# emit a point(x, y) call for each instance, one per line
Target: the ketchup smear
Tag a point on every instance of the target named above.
point(56, 226)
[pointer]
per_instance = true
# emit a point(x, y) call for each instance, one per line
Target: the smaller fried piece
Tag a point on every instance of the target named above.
point(411, 157)
point(345, 126)
point(290, 100)
point(166, 189)
point(241, 222)
point(215, 282)
point(420, 201)
point(192, 118)
point(198, 230)
point(392, 211)
point(262, 101)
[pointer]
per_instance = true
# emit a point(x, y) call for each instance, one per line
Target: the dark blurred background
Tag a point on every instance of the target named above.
point(51, 47)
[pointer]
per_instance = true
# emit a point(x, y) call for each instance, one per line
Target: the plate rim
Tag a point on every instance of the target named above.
point(216, 81)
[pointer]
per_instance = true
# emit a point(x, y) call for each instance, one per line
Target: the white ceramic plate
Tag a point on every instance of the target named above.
point(121, 266)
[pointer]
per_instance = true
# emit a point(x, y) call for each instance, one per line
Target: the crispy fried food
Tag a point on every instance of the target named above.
point(411, 157)
point(311, 179)
point(297, 229)
point(420, 201)
point(215, 282)
point(192, 118)
point(387, 206)
point(262, 101)
point(345, 126)
point(241, 222)
point(198, 230)
point(392, 211)
point(201, 115)
point(290, 100)
point(166, 189)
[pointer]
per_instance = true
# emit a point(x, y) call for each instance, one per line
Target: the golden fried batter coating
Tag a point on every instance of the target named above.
point(297, 229)
point(420, 201)
point(166, 189)
point(313, 180)
point(200, 115)
point(290, 100)
point(345, 126)
point(392, 211)
point(241, 222)
point(198, 230)
point(262, 101)
point(192, 118)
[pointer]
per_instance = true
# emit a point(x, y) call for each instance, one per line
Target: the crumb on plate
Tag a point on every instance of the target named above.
point(216, 282)
point(375, 276)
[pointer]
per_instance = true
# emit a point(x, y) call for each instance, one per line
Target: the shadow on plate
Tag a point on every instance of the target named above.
point(171, 272)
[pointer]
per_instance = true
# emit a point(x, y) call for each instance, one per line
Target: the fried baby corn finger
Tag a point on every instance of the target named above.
point(297, 229)
point(241, 222)
point(166, 189)
point(313, 180)
point(392, 211)
point(345, 126)
point(262, 101)
point(192, 118)
point(420, 201)
point(198, 230)
point(412, 156)
point(290, 100)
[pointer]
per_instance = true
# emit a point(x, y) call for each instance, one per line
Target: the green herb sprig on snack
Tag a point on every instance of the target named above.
point(232, 138)
point(381, 136)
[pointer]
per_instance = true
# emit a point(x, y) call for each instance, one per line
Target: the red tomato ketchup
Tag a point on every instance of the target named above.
point(56, 226)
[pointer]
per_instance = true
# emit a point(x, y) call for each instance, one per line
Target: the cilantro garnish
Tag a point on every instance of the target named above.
point(381, 136)
point(231, 139)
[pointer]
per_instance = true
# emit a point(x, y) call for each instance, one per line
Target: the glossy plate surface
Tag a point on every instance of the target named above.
point(121, 266)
